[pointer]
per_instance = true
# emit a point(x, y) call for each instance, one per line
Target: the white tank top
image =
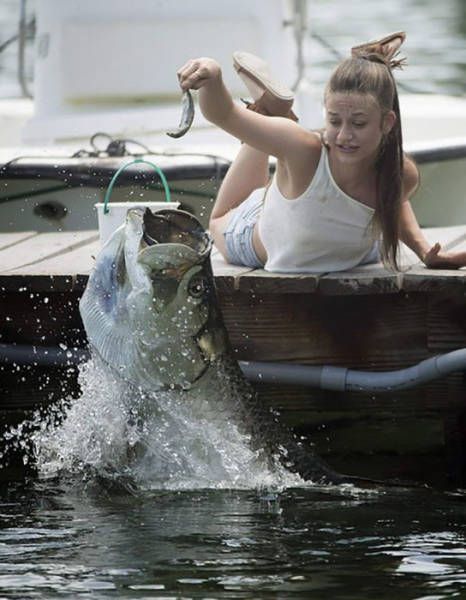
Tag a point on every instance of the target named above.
point(322, 230)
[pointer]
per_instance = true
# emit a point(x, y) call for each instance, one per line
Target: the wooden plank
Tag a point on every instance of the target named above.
point(420, 279)
point(31, 252)
point(11, 238)
point(306, 406)
point(367, 279)
point(223, 269)
point(74, 261)
point(66, 254)
point(227, 276)
point(40, 283)
point(260, 281)
point(457, 244)
point(370, 279)
point(446, 322)
point(351, 331)
point(41, 318)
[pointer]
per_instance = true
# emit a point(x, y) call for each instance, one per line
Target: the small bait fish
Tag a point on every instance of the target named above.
point(187, 116)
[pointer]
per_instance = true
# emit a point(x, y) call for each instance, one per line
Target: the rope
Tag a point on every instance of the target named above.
point(118, 147)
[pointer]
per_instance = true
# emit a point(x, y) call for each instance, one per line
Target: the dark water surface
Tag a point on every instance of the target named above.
point(60, 541)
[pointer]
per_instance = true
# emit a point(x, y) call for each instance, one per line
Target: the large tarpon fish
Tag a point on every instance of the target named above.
point(151, 313)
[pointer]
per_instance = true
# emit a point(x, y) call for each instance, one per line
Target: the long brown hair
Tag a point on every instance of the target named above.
point(371, 74)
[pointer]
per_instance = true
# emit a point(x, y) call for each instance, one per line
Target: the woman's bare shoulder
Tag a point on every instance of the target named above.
point(312, 138)
point(316, 139)
point(310, 147)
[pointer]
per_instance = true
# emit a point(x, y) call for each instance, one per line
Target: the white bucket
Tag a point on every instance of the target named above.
point(113, 214)
point(116, 215)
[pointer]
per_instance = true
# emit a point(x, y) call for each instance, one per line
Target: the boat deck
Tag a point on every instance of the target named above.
point(62, 261)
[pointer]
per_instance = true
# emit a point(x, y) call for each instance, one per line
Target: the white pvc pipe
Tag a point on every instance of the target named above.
point(342, 379)
point(325, 377)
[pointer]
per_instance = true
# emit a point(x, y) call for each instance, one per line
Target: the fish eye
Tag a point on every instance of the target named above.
point(197, 286)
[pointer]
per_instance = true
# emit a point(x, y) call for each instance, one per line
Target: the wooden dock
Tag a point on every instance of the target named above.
point(367, 318)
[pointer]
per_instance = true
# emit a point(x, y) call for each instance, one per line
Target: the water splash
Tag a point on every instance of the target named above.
point(163, 440)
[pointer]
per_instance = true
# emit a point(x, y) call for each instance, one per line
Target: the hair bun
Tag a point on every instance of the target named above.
point(377, 55)
point(385, 50)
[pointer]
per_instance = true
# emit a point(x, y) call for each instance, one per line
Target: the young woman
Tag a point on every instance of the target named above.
point(339, 198)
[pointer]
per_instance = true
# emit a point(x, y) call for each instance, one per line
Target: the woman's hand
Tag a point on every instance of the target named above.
point(198, 72)
point(436, 259)
point(433, 257)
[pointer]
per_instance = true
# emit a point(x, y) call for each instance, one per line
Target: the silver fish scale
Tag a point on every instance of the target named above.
point(187, 116)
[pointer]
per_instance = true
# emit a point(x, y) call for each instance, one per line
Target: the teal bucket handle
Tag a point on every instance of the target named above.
point(115, 177)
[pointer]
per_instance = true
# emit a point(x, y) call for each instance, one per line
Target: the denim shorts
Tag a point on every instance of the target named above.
point(238, 234)
point(373, 256)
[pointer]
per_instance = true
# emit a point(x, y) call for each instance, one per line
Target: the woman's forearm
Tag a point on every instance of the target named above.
point(205, 75)
point(431, 255)
point(410, 232)
point(215, 101)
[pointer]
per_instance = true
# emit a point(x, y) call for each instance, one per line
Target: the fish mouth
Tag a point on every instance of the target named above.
point(169, 226)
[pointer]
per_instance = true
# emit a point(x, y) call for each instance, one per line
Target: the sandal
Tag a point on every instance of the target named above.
point(390, 44)
point(269, 95)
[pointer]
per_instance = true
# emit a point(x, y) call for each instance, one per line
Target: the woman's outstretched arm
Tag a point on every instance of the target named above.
point(277, 136)
point(411, 234)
